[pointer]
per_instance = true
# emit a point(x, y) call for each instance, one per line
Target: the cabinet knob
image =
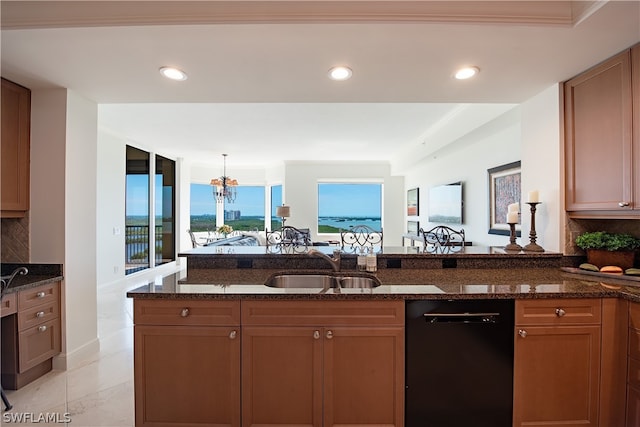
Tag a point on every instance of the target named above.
point(42, 328)
point(316, 335)
point(560, 312)
point(40, 314)
point(233, 335)
point(184, 312)
point(522, 333)
point(623, 204)
point(329, 335)
point(40, 294)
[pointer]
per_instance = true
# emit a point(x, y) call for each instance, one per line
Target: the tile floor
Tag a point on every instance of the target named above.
point(99, 392)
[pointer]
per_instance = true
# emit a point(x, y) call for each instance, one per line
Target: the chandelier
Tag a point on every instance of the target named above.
point(224, 187)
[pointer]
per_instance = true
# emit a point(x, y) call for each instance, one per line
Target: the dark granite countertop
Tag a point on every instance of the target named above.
point(429, 284)
point(38, 275)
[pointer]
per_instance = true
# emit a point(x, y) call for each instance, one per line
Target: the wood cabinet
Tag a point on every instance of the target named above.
point(557, 362)
point(323, 363)
point(633, 367)
point(32, 336)
point(602, 139)
point(187, 363)
point(16, 123)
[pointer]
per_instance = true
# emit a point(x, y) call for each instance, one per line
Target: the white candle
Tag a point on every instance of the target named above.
point(533, 196)
point(512, 218)
point(514, 207)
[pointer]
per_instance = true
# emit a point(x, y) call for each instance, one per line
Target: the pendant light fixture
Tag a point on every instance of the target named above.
point(224, 187)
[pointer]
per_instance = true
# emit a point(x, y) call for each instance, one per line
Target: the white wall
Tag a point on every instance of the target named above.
point(468, 159)
point(541, 168)
point(63, 209)
point(529, 133)
point(110, 213)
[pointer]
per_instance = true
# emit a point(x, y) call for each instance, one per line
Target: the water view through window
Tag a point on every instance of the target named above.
point(342, 205)
point(246, 213)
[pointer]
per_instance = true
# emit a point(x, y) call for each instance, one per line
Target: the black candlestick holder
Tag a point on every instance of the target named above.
point(512, 246)
point(533, 246)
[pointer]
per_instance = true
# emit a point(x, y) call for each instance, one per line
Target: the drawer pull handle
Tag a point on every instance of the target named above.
point(329, 335)
point(184, 312)
point(233, 335)
point(560, 312)
point(40, 314)
point(522, 333)
point(623, 204)
point(42, 328)
point(40, 294)
point(316, 335)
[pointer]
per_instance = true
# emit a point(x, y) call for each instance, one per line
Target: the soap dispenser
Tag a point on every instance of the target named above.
point(362, 260)
point(372, 261)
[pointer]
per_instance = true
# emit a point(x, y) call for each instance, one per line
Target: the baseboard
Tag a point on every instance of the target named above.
point(78, 357)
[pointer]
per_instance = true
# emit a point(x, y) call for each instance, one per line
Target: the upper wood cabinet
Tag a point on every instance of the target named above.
point(16, 122)
point(602, 139)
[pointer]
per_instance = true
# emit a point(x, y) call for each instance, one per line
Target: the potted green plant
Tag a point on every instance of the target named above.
point(609, 248)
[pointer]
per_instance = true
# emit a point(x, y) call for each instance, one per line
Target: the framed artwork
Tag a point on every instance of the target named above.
point(413, 227)
point(504, 189)
point(413, 202)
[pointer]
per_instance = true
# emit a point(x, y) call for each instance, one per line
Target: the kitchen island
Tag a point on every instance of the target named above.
point(236, 352)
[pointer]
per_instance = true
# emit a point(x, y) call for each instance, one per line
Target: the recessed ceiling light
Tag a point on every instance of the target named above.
point(173, 73)
point(340, 73)
point(466, 73)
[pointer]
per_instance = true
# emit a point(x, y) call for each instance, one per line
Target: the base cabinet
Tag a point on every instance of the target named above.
point(30, 334)
point(557, 362)
point(322, 376)
point(187, 373)
point(323, 363)
point(300, 363)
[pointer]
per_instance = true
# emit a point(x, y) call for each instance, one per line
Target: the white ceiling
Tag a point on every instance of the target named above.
point(258, 87)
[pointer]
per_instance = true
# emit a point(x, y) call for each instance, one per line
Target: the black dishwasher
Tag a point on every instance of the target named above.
point(459, 363)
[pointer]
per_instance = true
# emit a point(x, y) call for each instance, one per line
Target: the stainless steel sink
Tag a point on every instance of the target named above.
point(321, 281)
point(358, 282)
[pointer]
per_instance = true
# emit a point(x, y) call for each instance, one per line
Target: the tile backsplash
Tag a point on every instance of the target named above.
point(14, 246)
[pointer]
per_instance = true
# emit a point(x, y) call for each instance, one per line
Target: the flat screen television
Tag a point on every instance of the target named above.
point(445, 204)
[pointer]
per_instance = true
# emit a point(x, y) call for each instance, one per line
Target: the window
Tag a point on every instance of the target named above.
point(276, 200)
point(165, 210)
point(246, 213)
point(342, 205)
point(144, 248)
point(137, 211)
point(203, 208)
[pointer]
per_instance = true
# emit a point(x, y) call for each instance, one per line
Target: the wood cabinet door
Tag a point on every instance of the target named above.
point(16, 123)
point(187, 376)
point(598, 138)
point(281, 376)
point(556, 376)
point(635, 83)
point(363, 376)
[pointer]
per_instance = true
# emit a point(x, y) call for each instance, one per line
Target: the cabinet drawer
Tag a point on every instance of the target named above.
point(186, 312)
point(8, 305)
point(558, 311)
point(37, 315)
point(327, 313)
point(38, 344)
point(45, 294)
